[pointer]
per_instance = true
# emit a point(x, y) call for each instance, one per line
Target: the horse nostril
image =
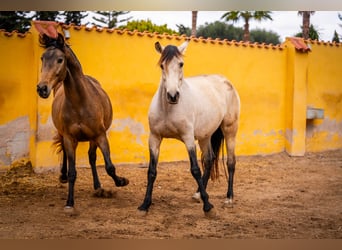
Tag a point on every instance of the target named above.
point(173, 98)
point(42, 91)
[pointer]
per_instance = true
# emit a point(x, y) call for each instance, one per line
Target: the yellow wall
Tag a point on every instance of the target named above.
point(275, 84)
point(324, 88)
point(18, 104)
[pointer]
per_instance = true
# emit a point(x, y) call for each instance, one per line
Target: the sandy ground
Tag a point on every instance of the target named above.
point(276, 196)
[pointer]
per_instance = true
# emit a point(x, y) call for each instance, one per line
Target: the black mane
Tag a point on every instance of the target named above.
point(168, 53)
point(46, 41)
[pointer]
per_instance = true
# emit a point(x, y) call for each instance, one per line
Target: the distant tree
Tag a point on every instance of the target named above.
point(246, 16)
point(193, 22)
point(306, 23)
point(227, 31)
point(263, 36)
point(182, 30)
point(109, 19)
point(74, 17)
point(336, 37)
point(147, 25)
point(220, 30)
point(47, 16)
point(14, 20)
point(313, 33)
point(340, 17)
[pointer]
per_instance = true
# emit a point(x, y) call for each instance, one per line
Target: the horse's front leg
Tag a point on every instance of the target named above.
point(196, 173)
point(103, 144)
point(70, 151)
point(154, 145)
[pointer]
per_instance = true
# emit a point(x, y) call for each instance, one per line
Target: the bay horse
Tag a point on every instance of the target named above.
point(204, 108)
point(81, 111)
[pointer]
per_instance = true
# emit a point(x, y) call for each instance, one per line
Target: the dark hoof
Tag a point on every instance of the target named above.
point(211, 214)
point(103, 193)
point(63, 179)
point(121, 182)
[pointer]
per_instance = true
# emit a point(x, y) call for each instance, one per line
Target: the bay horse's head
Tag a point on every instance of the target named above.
point(171, 62)
point(54, 64)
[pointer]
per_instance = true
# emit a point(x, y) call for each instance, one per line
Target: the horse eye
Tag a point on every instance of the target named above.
point(59, 60)
point(161, 66)
point(181, 64)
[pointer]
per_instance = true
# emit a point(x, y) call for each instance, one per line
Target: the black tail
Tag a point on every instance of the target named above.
point(216, 142)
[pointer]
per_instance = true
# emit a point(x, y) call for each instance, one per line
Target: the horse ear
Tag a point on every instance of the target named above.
point(158, 47)
point(43, 40)
point(60, 40)
point(183, 47)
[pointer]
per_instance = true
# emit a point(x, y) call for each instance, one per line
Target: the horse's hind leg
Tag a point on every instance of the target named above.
point(63, 178)
point(207, 161)
point(230, 136)
point(102, 142)
point(92, 162)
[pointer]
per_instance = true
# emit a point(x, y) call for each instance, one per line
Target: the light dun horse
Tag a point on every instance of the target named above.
point(81, 111)
point(204, 108)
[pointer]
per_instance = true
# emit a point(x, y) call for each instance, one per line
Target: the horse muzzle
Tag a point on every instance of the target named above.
point(43, 91)
point(173, 99)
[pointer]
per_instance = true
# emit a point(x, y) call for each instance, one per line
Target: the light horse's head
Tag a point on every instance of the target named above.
point(54, 64)
point(171, 62)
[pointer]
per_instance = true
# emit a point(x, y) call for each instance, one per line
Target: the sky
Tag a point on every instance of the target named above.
point(285, 23)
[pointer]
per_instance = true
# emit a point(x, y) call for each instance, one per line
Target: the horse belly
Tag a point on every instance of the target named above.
point(205, 126)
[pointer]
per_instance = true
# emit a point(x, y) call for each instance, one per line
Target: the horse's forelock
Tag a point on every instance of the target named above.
point(47, 42)
point(168, 54)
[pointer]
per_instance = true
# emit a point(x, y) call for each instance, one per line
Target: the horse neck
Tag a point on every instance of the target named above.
point(74, 87)
point(73, 63)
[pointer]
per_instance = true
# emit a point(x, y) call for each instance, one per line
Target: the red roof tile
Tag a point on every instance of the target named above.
point(299, 44)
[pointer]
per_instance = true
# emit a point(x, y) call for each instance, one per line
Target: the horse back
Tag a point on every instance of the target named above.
point(216, 87)
point(101, 97)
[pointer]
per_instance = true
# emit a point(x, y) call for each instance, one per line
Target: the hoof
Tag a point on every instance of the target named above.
point(63, 179)
point(211, 214)
point(122, 181)
point(71, 211)
point(228, 203)
point(142, 212)
point(103, 193)
point(196, 197)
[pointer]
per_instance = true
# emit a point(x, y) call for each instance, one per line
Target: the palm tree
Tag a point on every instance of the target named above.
point(313, 33)
point(194, 23)
point(306, 22)
point(246, 16)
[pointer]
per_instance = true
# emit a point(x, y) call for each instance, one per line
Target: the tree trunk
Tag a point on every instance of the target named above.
point(306, 24)
point(246, 36)
point(194, 23)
